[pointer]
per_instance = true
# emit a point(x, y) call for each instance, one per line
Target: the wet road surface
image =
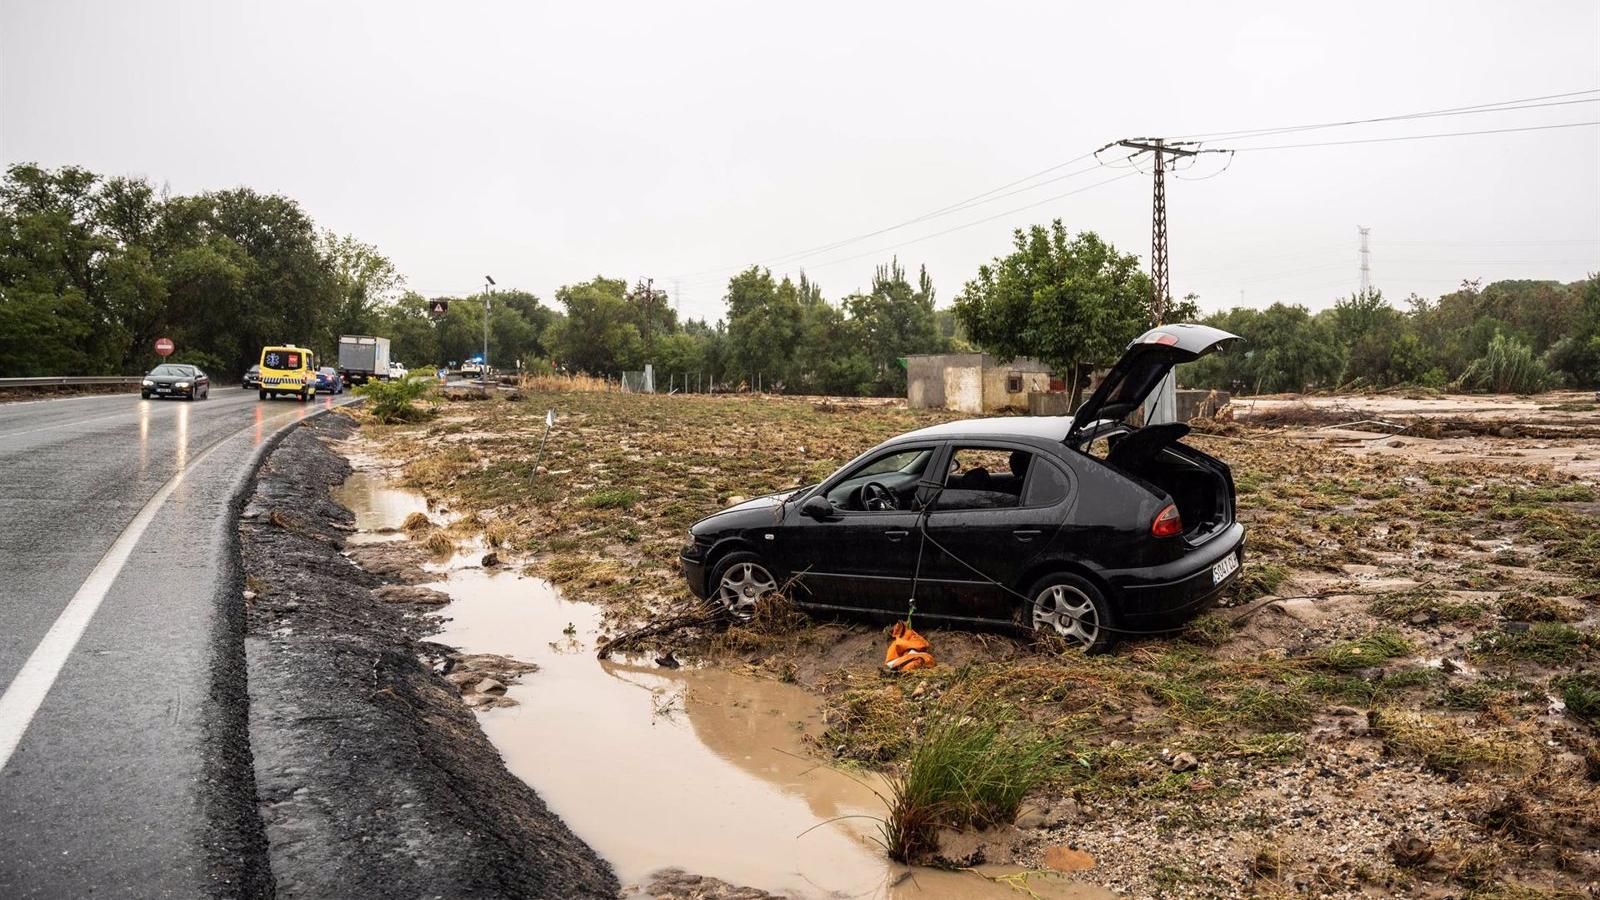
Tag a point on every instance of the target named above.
point(120, 737)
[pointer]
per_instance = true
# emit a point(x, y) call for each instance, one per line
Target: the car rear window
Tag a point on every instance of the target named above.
point(984, 478)
point(1047, 485)
point(281, 359)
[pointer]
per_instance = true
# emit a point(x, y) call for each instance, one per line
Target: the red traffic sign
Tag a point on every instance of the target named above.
point(164, 346)
point(438, 308)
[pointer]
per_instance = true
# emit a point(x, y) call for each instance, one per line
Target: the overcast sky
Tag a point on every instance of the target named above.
point(543, 143)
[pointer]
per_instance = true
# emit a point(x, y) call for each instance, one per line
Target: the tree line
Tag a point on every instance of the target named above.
point(93, 269)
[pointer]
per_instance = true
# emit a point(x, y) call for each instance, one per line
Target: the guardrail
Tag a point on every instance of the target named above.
point(71, 381)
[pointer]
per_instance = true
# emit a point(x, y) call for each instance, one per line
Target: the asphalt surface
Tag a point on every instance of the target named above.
point(131, 777)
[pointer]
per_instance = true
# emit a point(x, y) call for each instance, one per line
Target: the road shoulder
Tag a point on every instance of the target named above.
point(373, 779)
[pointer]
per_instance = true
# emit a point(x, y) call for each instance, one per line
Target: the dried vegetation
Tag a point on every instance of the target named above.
point(1431, 652)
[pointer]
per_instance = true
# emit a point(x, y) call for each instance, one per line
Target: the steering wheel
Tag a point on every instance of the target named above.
point(877, 498)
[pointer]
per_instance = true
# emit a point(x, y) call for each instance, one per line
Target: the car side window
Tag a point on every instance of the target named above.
point(1047, 485)
point(984, 478)
point(896, 473)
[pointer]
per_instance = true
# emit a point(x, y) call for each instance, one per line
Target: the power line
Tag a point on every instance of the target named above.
point(959, 206)
point(1416, 137)
point(1502, 106)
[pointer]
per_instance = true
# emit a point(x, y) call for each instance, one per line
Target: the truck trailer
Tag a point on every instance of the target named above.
point(363, 358)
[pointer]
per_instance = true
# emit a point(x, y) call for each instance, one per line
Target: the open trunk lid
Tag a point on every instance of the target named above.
point(1142, 366)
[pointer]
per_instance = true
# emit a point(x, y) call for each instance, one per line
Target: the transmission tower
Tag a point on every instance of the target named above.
point(1366, 262)
point(1165, 154)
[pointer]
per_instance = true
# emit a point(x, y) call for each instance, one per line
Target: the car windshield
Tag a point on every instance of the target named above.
point(172, 370)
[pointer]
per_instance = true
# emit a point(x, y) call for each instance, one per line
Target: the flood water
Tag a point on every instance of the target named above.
point(699, 769)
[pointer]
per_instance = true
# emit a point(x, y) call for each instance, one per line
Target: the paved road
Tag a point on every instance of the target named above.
point(123, 762)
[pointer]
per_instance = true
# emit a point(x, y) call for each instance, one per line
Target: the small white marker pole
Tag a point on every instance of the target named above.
point(549, 422)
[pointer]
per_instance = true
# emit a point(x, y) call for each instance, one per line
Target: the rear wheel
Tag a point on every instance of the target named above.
point(738, 581)
point(1073, 609)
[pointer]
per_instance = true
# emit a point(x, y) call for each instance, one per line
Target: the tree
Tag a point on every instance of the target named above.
point(1067, 301)
point(894, 320)
point(598, 335)
point(763, 326)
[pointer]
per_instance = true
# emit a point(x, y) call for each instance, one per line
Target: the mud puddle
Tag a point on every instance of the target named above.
point(691, 768)
point(380, 507)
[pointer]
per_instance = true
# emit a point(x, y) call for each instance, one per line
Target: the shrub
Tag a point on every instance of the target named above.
point(1580, 691)
point(1507, 367)
point(971, 767)
point(395, 401)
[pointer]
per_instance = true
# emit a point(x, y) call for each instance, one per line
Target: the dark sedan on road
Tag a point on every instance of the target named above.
point(251, 379)
point(174, 380)
point(329, 381)
point(1087, 527)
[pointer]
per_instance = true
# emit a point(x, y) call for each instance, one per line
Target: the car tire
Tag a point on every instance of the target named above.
point(737, 581)
point(1069, 608)
point(144, 395)
point(262, 394)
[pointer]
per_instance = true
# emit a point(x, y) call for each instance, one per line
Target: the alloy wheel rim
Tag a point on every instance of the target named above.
point(742, 585)
point(1068, 612)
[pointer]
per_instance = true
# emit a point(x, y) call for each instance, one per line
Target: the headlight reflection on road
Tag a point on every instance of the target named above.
point(182, 451)
point(144, 436)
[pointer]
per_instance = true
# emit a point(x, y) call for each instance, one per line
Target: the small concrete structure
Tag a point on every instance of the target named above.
point(972, 382)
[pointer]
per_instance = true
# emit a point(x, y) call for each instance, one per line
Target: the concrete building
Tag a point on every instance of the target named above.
point(972, 382)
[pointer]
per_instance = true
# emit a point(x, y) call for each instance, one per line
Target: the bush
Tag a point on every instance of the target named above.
point(971, 767)
point(1507, 367)
point(395, 401)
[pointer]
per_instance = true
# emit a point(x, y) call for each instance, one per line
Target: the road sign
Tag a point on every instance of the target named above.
point(437, 308)
point(164, 346)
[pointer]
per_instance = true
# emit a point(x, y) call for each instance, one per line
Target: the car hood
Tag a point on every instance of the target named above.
point(757, 510)
point(1142, 366)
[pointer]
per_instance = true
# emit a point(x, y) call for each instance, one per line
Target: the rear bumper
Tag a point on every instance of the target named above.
point(1166, 594)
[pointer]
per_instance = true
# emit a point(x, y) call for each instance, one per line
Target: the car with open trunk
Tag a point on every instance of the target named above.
point(1088, 527)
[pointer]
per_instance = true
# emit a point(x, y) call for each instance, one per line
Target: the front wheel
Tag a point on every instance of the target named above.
point(263, 394)
point(738, 581)
point(1073, 609)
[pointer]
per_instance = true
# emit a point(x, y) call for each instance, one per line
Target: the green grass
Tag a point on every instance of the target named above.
point(1406, 605)
point(1549, 643)
point(969, 768)
point(1581, 693)
point(611, 498)
point(1365, 652)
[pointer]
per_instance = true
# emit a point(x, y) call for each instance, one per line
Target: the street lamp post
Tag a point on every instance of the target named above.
point(483, 365)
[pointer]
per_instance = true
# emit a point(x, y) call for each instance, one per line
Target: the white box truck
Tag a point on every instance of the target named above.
point(363, 357)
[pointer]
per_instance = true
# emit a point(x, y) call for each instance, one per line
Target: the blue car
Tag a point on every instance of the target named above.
point(328, 381)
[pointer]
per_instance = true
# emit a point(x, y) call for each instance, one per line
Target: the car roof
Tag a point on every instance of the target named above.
point(1053, 428)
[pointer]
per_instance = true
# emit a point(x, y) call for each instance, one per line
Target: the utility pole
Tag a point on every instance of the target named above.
point(1366, 262)
point(1165, 154)
point(483, 366)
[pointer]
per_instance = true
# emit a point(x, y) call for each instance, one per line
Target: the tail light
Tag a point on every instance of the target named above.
point(1168, 523)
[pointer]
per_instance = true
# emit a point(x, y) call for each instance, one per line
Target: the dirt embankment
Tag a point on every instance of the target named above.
point(374, 780)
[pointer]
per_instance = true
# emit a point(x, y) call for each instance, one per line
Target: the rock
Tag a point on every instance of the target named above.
point(489, 686)
point(1067, 859)
point(1410, 850)
point(668, 661)
point(410, 593)
point(490, 560)
point(1421, 618)
point(249, 595)
point(737, 499)
point(1506, 431)
point(462, 679)
point(1184, 762)
point(1344, 711)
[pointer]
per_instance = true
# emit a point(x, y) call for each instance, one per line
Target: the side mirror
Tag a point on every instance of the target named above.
point(817, 507)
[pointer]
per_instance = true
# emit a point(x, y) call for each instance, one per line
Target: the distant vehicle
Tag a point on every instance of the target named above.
point(287, 369)
point(397, 371)
point(471, 369)
point(176, 380)
point(328, 381)
point(1078, 527)
point(251, 379)
point(363, 357)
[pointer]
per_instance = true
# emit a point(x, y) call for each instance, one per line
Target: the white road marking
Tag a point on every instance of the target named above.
point(27, 691)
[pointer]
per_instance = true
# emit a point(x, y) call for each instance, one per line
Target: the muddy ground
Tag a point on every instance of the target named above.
point(1398, 699)
point(373, 779)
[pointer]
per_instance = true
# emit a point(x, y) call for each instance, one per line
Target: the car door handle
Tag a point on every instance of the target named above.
point(1027, 534)
point(895, 534)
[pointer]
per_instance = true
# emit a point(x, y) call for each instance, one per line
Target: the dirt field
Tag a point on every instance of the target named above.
point(1400, 697)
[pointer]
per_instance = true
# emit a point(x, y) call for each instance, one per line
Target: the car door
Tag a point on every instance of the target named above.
point(1001, 506)
point(856, 558)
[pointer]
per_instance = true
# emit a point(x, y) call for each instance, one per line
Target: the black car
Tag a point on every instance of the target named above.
point(251, 379)
point(175, 380)
point(1086, 526)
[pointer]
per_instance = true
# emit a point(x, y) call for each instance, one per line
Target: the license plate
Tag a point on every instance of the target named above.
point(1226, 566)
point(163, 390)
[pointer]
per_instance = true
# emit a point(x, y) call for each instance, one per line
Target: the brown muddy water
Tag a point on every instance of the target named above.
point(695, 768)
